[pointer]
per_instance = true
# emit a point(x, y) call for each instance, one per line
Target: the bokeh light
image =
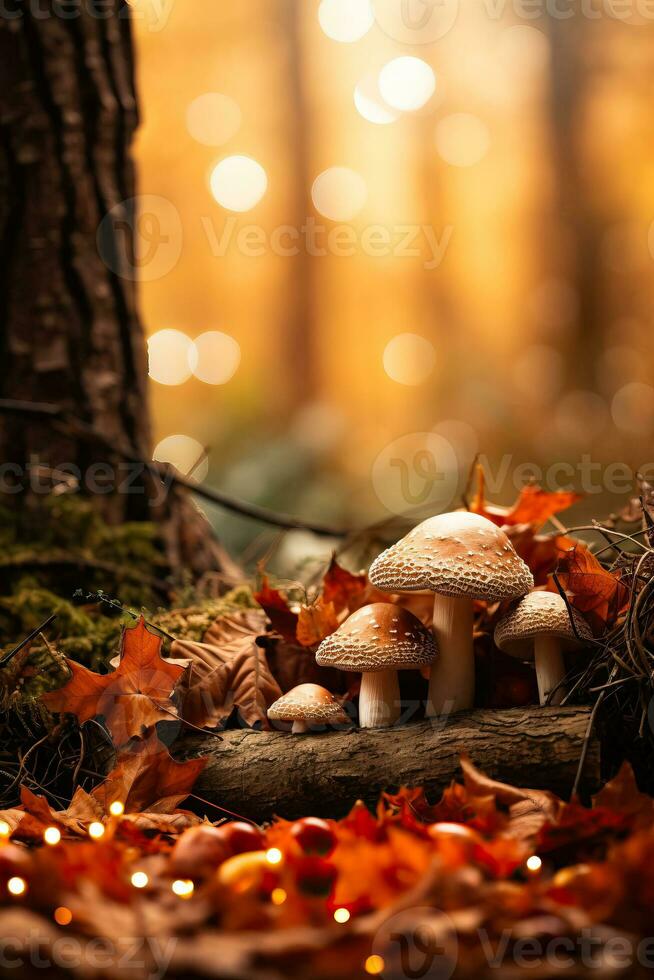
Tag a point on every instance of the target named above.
point(139, 879)
point(117, 808)
point(96, 830)
point(278, 896)
point(238, 183)
point(274, 855)
point(183, 452)
point(339, 193)
point(183, 887)
point(407, 83)
point(462, 139)
point(632, 408)
point(218, 357)
point(16, 886)
point(212, 119)
point(370, 104)
point(171, 356)
point(374, 965)
point(5, 829)
point(341, 915)
point(534, 864)
point(51, 835)
point(346, 20)
point(409, 359)
point(62, 916)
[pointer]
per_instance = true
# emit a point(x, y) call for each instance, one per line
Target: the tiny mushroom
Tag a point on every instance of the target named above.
point(306, 705)
point(378, 640)
point(540, 628)
point(460, 557)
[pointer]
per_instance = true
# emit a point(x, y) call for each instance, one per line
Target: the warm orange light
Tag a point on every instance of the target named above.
point(5, 829)
point(341, 915)
point(117, 808)
point(238, 183)
point(96, 830)
point(139, 879)
point(183, 887)
point(63, 916)
point(374, 965)
point(407, 83)
point(16, 886)
point(534, 864)
point(278, 896)
point(274, 855)
point(52, 836)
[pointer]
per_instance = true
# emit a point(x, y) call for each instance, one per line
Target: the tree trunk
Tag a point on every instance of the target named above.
point(259, 774)
point(70, 331)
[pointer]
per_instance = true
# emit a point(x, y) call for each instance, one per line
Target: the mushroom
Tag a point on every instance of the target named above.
point(378, 640)
point(306, 705)
point(460, 557)
point(540, 628)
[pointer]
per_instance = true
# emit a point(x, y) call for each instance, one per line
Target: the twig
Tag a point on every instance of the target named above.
point(28, 639)
point(167, 474)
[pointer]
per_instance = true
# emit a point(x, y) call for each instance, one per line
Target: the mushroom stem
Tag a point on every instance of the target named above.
point(299, 728)
point(379, 700)
point(550, 669)
point(452, 681)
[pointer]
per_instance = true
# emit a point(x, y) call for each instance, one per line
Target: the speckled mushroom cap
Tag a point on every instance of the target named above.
point(308, 702)
point(459, 554)
point(378, 637)
point(539, 614)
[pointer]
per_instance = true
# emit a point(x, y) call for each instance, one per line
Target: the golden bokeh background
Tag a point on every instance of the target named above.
point(389, 220)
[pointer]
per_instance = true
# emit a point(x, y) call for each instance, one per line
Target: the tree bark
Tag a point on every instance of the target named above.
point(260, 774)
point(70, 333)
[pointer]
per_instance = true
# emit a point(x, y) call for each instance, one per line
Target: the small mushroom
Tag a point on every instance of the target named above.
point(306, 705)
point(540, 629)
point(460, 557)
point(378, 640)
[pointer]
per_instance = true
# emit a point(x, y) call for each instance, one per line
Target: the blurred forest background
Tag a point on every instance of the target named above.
point(510, 153)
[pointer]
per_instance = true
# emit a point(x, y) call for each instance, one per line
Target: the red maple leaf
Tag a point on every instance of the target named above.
point(130, 699)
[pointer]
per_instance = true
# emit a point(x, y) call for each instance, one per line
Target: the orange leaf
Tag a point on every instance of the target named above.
point(316, 622)
point(534, 506)
point(342, 588)
point(597, 593)
point(276, 608)
point(130, 699)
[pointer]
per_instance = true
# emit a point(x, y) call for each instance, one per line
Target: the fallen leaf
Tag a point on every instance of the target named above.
point(277, 609)
point(597, 593)
point(534, 506)
point(316, 622)
point(345, 590)
point(132, 698)
point(228, 670)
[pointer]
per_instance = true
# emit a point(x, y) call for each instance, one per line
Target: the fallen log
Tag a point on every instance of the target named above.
point(260, 774)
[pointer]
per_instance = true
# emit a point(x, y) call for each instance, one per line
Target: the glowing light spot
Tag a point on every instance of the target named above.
point(16, 886)
point(274, 855)
point(278, 896)
point(218, 357)
point(632, 408)
point(534, 864)
point(139, 879)
point(462, 139)
point(339, 193)
point(117, 808)
point(374, 965)
point(183, 887)
point(62, 916)
point(238, 183)
point(409, 359)
point(183, 452)
point(407, 83)
point(370, 104)
point(5, 829)
point(212, 119)
point(341, 915)
point(52, 835)
point(172, 357)
point(346, 20)
point(96, 830)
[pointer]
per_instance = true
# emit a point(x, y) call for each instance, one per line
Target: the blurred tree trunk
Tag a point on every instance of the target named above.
point(69, 329)
point(584, 223)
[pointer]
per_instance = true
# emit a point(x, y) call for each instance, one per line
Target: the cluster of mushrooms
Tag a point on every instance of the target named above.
point(458, 557)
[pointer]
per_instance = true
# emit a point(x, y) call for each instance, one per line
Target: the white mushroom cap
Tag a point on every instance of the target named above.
point(310, 703)
point(378, 637)
point(459, 554)
point(539, 614)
